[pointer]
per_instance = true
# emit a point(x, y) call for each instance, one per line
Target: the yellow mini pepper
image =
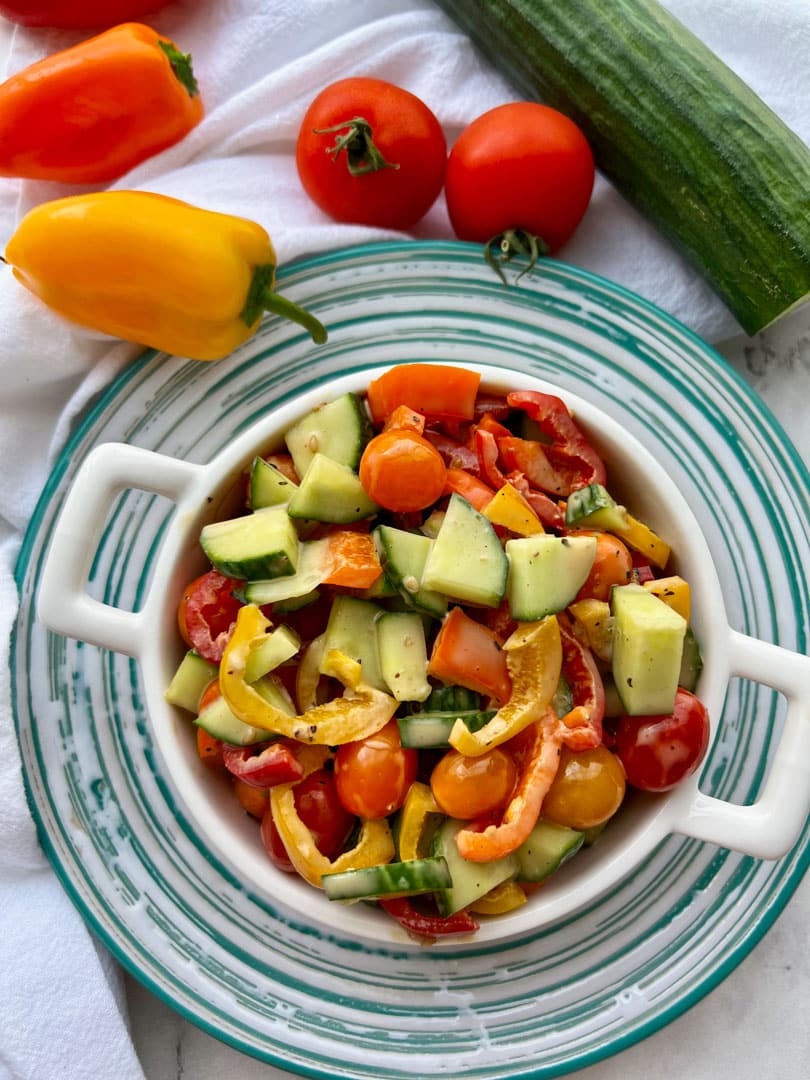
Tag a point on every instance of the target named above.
point(153, 270)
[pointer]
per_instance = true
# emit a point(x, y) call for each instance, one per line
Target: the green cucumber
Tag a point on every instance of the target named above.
point(330, 491)
point(388, 879)
point(648, 638)
point(546, 572)
point(466, 561)
point(545, 849)
point(593, 505)
point(403, 556)
point(431, 730)
point(263, 544)
point(471, 880)
point(218, 719)
point(691, 661)
point(313, 566)
point(677, 132)
point(280, 645)
point(189, 682)
point(403, 655)
point(352, 629)
point(338, 429)
point(268, 485)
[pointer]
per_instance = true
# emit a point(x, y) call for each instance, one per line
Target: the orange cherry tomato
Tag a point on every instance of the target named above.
point(373, 774)
point(612, 565)
point(401, 471)
point(587, 790)
point(472, 787)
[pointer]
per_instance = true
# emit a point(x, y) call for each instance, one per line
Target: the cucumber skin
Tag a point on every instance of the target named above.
point(678, 133)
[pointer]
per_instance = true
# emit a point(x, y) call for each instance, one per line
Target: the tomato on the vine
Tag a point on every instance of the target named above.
point(371, 153)
point(521, 167)
point(320, 809)
point(373, 774)
point(660, 751)
point(207, 614)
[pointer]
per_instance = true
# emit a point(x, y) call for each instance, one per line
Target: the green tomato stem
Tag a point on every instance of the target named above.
point(362, 155)
point(514, 242)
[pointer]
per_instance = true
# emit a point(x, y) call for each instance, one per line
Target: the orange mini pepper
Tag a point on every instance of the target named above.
point(92, 112)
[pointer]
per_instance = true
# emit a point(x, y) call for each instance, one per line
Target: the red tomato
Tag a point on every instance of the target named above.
point(519, 166)
point(373, 774)
point(659, 751)
point(77, 14)
point(207, 614)
point(612, 565)
point(391, 184)
point(401, 471)
point(320, 809)
point(473, 787)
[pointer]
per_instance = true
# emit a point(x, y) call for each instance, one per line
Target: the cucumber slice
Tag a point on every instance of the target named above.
point(268, 485)
point(403, 556)
point(218, 719)
point(648, 638)
point(691, 661)
point(390, 879)
point(545, 849)
point(466, 561)
point(331, 492)
point(403, 655)
point(279, 646)
point(470, 880)
point(189, 681)
point(339, 430)
point(592, 505)
point(313, 564)
point(263, 544)
point(546, 572)
point(352, 629)
point(426, 730)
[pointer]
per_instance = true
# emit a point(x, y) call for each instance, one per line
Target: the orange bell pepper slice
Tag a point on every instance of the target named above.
point(467, 653)
point(353, 560)
point(435, 390)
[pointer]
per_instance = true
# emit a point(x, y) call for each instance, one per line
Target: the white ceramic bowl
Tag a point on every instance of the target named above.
point(766, 829)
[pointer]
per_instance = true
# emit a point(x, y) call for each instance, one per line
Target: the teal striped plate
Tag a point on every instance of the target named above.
point(285, 990)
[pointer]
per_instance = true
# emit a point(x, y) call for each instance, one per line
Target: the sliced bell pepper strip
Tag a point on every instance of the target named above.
point(467, 653)
point(569, 446)
point(529, 457)
point(550, 513)
point(457, 455)
point(431, 389)
point(374, 845)
point(582, 726)
point(404, 418)
point(509, 508)
point(475, 491)
point(541, 744)
point(534, 661)
point(352, 558)
point(427, 926)
point(274, 764)
point(419, 803)
point(504, 897)
point(489, 423)
point(362, 711)
point(674, 591)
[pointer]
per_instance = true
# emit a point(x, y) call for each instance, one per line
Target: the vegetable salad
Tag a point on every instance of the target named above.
point(434, 652)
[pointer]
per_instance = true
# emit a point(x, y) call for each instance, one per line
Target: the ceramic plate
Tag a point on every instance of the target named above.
point(282, 989)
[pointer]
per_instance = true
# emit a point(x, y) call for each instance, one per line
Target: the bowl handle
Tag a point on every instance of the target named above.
point(63, 603)
point(768, 828)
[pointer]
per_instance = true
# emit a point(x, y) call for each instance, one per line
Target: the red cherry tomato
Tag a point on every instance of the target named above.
point(659, 751)
point(612, 565)
point(401, 471)
point(373, 774)
point(77, 14)
point(473, 787)
point(392, 190)
point(519, 166)
point(320, 809)
point(207, 613)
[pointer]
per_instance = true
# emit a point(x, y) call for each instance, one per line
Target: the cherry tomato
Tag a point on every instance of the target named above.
point(207, 613)
point(253, 800)
point(519, 166)
point(660, 751)
point(209, 749)
point(320, 809)
point(373, 774)
point(87, 14)
point(401, 471)
point(472, 787)
point(587, 790)
point(612, 565)
point(386, 171)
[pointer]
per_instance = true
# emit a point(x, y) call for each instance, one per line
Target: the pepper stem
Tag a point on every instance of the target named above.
point(261, 297)
point(362, 155)
point(511, 243)
point(181, 66)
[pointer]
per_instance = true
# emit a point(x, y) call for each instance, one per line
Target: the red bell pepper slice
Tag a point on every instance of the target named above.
point(486, 449)
point(456, 455)
point(475, 491)
point(275, 764)
point(415, 922)
point(569, 450)
point(550, 513)
point(582, 725)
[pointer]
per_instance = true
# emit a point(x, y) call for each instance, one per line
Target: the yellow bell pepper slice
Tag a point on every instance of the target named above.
point(375, 844)
point(674, 591)
point(593, 623)
point(362, 711)
point(419, 803)
point(504, 897)
point(641, 537)
point(534, 659)
point(510, 509)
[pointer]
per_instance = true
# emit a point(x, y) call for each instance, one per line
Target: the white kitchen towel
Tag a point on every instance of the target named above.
point(259, 63)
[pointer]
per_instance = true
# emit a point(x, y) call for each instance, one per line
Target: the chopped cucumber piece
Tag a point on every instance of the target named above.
point(691, 661)
point(352, 629)
point(648, 638)
point(403, 556)
point(218, 719)
point(466, 561)
point(331, 492)
point(278, 646)
point(470, 880)
point(268, 485)
point(389, 879)
point(190, 681)
point(263, 544)
point(593, 505)
point(546, 572)
point(313, 567)
point(545, 849)
point(339, 430)
point(425, 730)
point(403, 655)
